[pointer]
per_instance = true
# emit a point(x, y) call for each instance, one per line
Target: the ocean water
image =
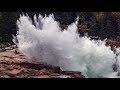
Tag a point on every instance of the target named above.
point(42, 40)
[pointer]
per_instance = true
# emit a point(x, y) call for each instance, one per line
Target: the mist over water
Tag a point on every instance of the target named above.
point(44, 41)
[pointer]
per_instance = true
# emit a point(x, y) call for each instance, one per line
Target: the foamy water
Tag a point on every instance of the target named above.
point(44, 41)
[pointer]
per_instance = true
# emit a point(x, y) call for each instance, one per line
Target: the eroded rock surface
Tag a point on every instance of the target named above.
point(13, 64)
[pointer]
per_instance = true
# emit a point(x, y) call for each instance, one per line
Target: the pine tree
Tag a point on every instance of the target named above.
point(111, 26)
point(8, 25)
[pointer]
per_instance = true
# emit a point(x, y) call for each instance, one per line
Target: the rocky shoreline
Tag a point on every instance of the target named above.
point(13, 64)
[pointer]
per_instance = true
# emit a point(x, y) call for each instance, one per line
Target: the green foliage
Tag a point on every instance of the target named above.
point(101, 24)
point(83, 26)
point(99, 16)
point(8, 25)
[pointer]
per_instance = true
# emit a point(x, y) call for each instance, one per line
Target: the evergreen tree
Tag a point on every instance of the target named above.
point(8, 25)
point(111, 26)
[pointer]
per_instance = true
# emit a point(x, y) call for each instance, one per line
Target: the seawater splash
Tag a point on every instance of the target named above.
point(44, 41)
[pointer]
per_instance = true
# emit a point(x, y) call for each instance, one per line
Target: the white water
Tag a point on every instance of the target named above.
point(46, 42)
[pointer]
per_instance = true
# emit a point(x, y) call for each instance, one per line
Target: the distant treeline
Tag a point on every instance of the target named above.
point(101, 24)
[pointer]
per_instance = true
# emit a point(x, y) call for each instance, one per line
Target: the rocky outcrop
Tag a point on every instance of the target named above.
point(13, 64)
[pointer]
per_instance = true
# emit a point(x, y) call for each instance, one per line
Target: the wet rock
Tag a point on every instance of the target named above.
point(43, 76)
point(61, 76)
point(14, 71)
point(5, 76)
point(16, 66)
